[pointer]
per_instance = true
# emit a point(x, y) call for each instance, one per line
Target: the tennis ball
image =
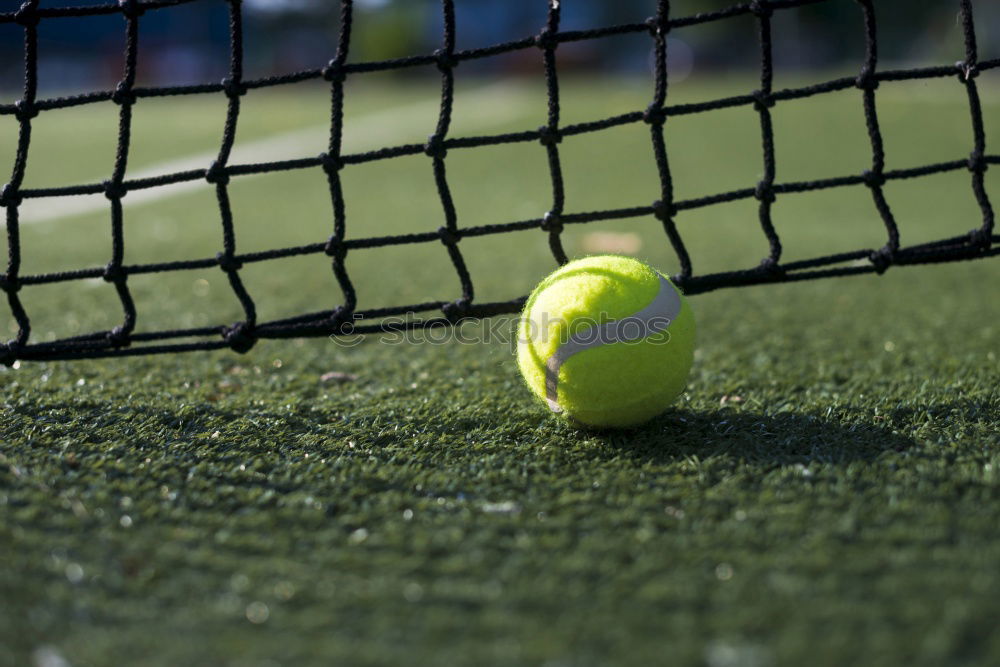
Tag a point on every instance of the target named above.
point(606, 341)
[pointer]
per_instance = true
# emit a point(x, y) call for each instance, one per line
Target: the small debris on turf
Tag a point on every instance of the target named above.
point(337, 376)
point(624, 243)
point(730, 399)
point(505, 507)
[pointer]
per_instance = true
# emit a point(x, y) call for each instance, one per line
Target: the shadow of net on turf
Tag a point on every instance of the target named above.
point(217, 430)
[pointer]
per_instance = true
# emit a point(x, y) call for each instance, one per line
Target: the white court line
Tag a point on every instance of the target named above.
point(494, 105)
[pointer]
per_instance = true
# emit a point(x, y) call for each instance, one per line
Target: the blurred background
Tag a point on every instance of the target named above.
point(924, 121)
point(189, 43)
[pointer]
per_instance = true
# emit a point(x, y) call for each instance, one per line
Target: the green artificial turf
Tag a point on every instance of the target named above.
point(826, 492)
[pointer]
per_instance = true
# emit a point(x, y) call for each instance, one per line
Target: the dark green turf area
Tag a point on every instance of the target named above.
point(826, 492)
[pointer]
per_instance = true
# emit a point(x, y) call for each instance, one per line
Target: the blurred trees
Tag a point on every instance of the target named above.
point(188, 43)
point(818, 35)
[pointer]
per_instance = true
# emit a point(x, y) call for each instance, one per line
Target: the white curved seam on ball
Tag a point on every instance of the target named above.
point(652, 319)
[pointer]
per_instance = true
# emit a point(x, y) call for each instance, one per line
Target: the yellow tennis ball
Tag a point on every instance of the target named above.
point(606, 341)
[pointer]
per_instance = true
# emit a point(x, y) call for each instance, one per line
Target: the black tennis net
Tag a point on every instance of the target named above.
point(348, 317)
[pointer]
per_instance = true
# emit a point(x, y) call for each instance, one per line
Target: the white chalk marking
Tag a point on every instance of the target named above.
point(494, 105)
